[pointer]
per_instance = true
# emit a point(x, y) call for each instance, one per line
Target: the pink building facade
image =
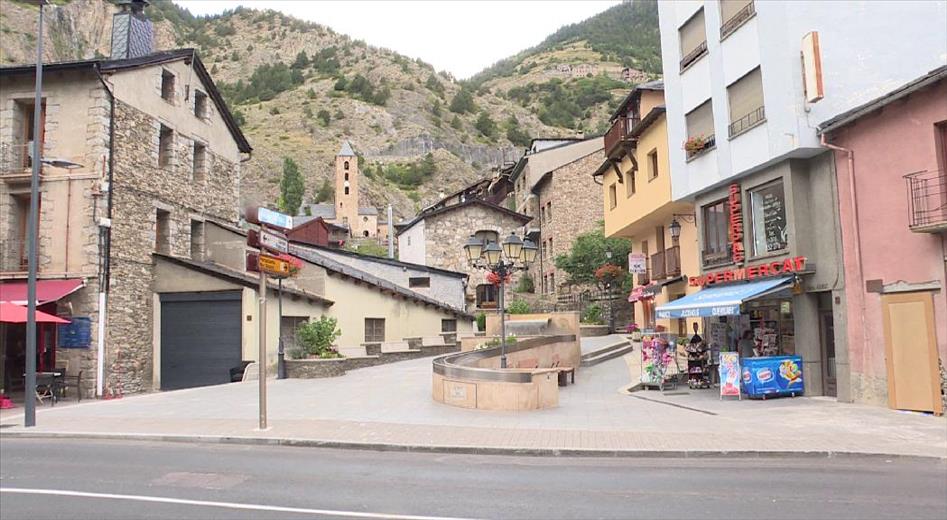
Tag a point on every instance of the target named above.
point(894, 226)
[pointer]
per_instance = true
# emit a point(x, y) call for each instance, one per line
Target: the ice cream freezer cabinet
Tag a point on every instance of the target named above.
point(772, 376)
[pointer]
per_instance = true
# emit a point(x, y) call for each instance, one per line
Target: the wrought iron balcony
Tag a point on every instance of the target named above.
point(694, 55)
point(737, 20)
point(13, 255)
point(748, 121)
point(617, 140)
point(15, 158)
point(927, 201)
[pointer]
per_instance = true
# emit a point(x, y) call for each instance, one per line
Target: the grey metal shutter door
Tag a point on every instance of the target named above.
point(200, 338)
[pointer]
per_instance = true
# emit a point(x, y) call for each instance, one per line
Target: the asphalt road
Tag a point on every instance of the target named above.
point(50, 478)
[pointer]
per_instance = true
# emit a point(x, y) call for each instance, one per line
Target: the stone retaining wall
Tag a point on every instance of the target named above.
point(319, 368)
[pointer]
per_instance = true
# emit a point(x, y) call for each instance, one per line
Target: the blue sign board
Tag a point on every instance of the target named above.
point(273, 218)
point(77, 334)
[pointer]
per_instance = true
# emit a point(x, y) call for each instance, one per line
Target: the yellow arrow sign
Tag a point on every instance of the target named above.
point(274, 266)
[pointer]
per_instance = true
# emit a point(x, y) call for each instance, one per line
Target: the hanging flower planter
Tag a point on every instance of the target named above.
point(695, 144)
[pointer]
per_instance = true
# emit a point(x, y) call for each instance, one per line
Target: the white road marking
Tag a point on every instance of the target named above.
point(225, 505)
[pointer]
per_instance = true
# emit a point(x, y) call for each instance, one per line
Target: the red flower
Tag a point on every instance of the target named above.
point(494, 278)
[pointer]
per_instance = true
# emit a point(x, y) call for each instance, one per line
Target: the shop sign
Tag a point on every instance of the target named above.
point(637, 263)
point(779, 268)
point(736, 224)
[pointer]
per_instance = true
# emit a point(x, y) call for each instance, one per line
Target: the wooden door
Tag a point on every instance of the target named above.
point(911, 352)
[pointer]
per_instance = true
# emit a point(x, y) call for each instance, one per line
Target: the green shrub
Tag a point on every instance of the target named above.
point(324, 117)
point(525, 285)
point(317, 336)
point(481, 321)
point(518, 307)
point(592, 315)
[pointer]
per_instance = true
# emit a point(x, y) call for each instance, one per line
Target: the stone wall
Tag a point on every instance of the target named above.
point(140, 188)
point(319, 368)
point(447, 232)
point(573, 203)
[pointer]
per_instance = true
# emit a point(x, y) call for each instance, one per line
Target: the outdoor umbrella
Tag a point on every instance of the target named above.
point(12, 313)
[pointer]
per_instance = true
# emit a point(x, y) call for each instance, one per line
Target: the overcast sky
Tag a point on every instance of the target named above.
point(461, 37)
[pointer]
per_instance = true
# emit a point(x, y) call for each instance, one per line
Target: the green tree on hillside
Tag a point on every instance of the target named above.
point(463, 102)
point(325, 192)
point(486, 125)
point(589, 252)
point(515, 134)
point(291, 187)
point(434, 85)
point(302, 61)
point(324, 117)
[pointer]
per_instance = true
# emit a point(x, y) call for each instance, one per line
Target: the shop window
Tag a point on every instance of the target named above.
point(197, 240)
point(419, 281)
point(165, 147)
point(700, 129)
point(486, 296)
point(716, 242)
point(167, 86)
point(162, 231)
point(768, 219)
point(199, 163)
point(746, 102)
point(200, 104)
point(652, 165)
point(374, 330)
point(612, 196)
point(693, 39)
point(448, 325)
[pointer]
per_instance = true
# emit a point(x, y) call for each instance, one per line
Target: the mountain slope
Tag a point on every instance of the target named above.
point(301, 88)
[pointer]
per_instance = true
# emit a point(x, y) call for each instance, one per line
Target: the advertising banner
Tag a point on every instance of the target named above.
point(729, 374)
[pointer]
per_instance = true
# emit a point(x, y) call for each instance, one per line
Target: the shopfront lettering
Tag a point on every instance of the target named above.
point(787, 266)
point(736, 224)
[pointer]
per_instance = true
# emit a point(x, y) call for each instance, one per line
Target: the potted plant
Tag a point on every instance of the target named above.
point(317, 337)
point(635, 331)
point(695, 144)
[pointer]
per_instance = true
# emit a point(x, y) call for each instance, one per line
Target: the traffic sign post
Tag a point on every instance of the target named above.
point(274, 242)
point(273, 266)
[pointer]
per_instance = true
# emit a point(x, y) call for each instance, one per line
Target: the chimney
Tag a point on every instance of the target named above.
point(132, 32)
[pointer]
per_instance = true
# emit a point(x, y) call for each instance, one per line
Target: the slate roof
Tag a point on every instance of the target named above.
point(382, 260)
point(346, 150)
point(326, 211)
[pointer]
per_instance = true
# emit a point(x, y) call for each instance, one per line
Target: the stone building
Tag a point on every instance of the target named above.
point(570, 203)
point(571, 162)
point(158, 155)
point(436, 239)
point(345, 211)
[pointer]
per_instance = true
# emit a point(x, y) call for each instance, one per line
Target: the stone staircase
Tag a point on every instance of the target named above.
point(616, 349)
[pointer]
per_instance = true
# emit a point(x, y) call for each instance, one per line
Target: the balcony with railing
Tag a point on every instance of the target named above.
point(755, 117)
point(693, 55)
point(927, 201)
point(13, 255)
point(658, 267)
point(735, 21)
point(672, 261)
point(617, 140)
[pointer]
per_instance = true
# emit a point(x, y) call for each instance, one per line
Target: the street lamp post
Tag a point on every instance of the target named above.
point(608, 294)
point(514, 255)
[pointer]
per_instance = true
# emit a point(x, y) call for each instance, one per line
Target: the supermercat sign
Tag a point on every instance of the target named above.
point(753, 272)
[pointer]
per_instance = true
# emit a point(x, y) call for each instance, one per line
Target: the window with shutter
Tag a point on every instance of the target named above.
point(733, 13)
point(693, 38)
point(700, 121)
point(746, 102)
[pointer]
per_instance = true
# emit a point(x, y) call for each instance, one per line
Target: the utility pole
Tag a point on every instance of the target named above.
point(29, 412)
point(281, 354)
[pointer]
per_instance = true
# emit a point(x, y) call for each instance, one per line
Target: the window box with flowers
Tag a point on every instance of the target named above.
point(697, 145)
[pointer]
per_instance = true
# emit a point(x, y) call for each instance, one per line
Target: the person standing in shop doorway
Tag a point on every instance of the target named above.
point(746, 344)
point(696, 337)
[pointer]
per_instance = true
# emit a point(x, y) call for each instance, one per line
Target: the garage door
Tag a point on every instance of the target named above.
point(200, 338)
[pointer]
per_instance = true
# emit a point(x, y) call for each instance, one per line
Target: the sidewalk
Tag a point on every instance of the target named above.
point(390, 407)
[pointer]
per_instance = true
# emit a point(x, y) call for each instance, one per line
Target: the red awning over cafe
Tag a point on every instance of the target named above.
point(46, 290)
point(12, 313)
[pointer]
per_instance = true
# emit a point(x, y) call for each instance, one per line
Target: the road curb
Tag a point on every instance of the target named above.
point(468, 450)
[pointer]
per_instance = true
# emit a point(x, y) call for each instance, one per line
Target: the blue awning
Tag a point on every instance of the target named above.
point(721, 301)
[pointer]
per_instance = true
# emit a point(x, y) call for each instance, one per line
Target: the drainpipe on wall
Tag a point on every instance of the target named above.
point(107, 246)
point(853, 199)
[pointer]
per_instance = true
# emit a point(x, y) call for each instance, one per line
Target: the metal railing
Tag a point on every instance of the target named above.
point(741, 16)
point(748, 121)
point(715, 258)
point(709, 143)
point(927, 200)
point(694, 55)
point(13, 255)
point(658, 266)
point(672, 261)
point(15, 158)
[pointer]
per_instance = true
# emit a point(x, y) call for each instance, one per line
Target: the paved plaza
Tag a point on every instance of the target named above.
point(392, 405)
